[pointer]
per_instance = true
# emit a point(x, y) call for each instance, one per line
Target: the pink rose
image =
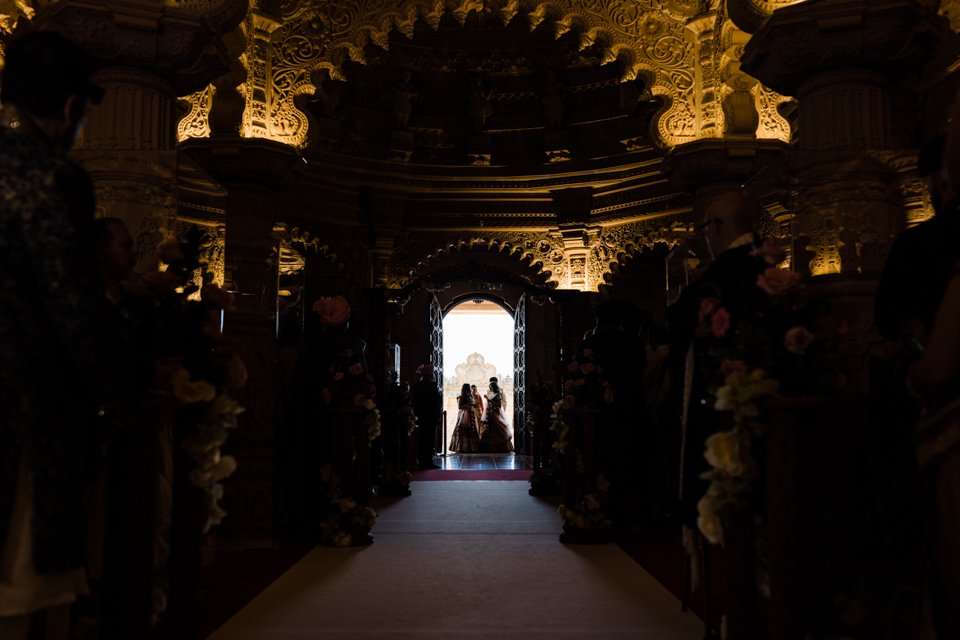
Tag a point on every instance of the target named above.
point(797, 340)
point(356, 368)
point(771, 252)
point(338, 376)
point(573, 366)
point(778, 282)
point(587, 368)
point(707, 307)
point(579, 382)
point(332, 311)
point(217, 296)
point(720, 322)
point(728, 367)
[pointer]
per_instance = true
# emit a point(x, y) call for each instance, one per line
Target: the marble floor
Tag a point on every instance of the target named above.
point(483, 461)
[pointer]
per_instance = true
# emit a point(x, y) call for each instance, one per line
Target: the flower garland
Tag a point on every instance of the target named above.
point(589, 512)
point(348, 522)
point(203, 446)
point(372, 419)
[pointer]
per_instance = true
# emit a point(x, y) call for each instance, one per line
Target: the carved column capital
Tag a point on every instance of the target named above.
point(719, 163)
point(799, 41)
point(254, 163)
point(175, 43)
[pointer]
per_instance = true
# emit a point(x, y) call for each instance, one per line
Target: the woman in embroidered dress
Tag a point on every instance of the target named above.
point(466, 438)
point(477, 405)
point(497, 437)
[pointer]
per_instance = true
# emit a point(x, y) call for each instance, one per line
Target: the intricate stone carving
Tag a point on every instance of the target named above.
point(11, 13)
point(573, 257)
point(196, 123)
point(286, 53)
point(772, 124)
point(951, 9)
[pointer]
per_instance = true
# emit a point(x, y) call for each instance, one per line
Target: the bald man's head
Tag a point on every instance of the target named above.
point(729, 216)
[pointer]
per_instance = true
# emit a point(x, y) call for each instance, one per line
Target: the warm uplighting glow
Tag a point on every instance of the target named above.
point(196, 124)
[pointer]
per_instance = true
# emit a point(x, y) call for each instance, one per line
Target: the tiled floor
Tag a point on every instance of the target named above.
point(483, 461)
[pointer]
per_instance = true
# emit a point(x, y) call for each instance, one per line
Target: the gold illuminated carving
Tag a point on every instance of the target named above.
point(11, 13)
point(196, 124)
point(579, 258)
point(668, 42)
point(772, 124)
point(951, 9)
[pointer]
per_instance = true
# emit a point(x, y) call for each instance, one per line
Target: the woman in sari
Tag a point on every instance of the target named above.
point(497, 437)
point(466, 437)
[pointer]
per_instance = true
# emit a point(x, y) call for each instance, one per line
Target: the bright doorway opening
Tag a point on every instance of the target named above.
point(477, 345)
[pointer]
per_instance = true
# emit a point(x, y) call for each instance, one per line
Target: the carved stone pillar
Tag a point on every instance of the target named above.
point(704, 34)
point(251, 171)
point(576, 237)
point(149, 53)
point(847, 61)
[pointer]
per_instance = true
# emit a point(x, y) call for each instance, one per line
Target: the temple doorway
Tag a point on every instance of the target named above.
point(478, 344)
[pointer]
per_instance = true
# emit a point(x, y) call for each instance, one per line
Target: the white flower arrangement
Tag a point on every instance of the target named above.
point(203, 447)
point(589, 512)
point(347, 521)
point(729, 452)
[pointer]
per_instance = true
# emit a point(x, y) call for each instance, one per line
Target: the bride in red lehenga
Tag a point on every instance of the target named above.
point(466, 435)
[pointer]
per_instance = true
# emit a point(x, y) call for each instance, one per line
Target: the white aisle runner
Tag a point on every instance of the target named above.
point(465, 560)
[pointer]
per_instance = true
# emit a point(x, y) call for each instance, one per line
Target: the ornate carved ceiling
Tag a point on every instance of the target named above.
point(686, 52)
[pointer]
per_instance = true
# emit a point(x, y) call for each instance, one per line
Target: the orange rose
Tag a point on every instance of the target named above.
point(332, 311)
point(778, 282)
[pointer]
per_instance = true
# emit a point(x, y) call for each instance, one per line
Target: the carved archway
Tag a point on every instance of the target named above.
point(667, 42)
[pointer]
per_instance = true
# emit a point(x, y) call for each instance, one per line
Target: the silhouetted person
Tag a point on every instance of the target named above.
point(56, 336)
point(730, 280)
point(427, 402)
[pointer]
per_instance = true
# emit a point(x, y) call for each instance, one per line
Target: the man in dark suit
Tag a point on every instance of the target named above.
point(731, 280)
point(427, 402)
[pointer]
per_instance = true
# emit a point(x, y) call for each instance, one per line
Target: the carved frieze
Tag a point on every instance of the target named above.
point(571, 257)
